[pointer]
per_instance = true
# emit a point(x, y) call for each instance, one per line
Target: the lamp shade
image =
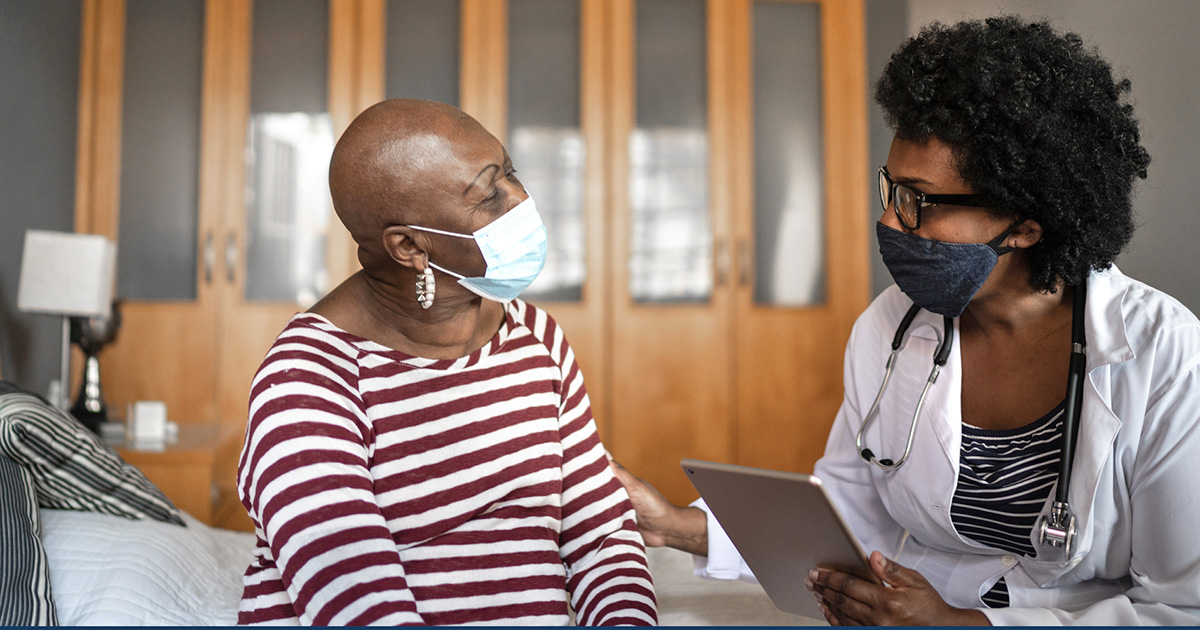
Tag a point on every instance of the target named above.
point(64, 273)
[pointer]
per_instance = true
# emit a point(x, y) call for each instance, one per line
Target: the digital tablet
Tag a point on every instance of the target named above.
point(784, 524)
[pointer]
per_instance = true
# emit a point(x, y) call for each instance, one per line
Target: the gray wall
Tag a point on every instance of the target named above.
point(39, 75)
point(1149, 42)
point(887, 27)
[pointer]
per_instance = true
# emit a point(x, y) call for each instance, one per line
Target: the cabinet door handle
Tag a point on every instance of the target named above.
point(210, 258)
point(723, 261)
point(745, 263)
point(231, 256)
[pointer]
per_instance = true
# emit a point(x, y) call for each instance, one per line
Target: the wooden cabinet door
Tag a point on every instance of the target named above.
point(280, 245)
point(802, 209)
point(553, 122)
point(738, 154)
point(147, 158)
point(672, 349)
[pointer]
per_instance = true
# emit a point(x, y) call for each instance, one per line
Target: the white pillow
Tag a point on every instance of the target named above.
point(107, 570)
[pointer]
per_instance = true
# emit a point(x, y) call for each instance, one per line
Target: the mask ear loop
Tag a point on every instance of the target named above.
point(995, 243)
point(446, 271)
point(437, 231)
point(444, 232)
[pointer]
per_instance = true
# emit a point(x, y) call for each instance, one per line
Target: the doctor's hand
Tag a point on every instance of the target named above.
point(662, 523)
point(907, 600)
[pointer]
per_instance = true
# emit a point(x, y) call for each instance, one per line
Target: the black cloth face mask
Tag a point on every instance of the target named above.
point(939, 277)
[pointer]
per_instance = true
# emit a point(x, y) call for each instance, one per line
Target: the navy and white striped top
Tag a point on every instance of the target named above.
point(1004, 477)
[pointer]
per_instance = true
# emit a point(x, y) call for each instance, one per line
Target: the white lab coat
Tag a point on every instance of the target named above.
point(1135, 485)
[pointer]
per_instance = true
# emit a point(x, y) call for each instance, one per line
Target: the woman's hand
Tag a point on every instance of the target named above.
point(907, 600)
point(662, 523)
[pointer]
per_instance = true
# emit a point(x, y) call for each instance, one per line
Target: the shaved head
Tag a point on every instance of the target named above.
point(383, 169)
point(412, 181)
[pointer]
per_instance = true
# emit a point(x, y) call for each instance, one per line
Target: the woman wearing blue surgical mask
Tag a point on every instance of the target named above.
point(420, 447)
point(1004, 202)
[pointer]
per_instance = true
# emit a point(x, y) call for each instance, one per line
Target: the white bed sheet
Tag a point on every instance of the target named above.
point(107, 570)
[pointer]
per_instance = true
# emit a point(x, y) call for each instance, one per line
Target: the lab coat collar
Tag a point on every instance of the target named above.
point(1104, 319)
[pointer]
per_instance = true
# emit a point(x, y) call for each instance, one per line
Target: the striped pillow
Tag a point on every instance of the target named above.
point(25, 598)
point(71, 468)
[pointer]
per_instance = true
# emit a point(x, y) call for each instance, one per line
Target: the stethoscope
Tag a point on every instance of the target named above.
point(1056, 534)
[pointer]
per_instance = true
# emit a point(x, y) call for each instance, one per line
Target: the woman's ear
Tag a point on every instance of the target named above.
point(402, 247)
point(1027, 234)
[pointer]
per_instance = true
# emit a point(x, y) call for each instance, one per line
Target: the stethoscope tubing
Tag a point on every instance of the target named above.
point(1074, 402)
point(941, 355)
point(1059, 530)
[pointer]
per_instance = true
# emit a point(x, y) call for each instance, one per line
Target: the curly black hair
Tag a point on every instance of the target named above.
point(1036, 122)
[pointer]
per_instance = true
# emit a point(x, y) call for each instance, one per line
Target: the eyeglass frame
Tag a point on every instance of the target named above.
point(923, 199)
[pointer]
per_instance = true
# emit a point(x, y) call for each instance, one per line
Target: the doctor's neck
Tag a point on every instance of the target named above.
point(1012, 305)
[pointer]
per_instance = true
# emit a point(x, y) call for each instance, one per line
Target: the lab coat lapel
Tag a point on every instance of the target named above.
point(942, 413)
point(1107, 343)
point(948, 423)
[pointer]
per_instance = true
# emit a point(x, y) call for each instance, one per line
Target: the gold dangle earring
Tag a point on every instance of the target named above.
point(426, 287)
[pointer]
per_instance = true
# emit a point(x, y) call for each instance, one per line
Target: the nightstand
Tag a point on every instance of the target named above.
point(198, 472)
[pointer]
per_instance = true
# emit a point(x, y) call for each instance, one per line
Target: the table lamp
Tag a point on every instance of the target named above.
point(68, 275)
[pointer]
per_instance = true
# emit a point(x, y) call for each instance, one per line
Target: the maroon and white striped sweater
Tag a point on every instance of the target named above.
point(390, 489)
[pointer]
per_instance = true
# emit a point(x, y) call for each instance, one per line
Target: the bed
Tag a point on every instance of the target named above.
point(106, 570)
point(109, 571)
point(88, 540)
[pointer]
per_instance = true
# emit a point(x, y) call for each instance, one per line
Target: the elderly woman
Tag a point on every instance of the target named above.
point(421, 448)
point(1006, 198)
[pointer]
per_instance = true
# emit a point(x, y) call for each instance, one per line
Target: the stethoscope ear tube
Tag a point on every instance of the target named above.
point(902, 329)
point(943, 350)
point(939, 360)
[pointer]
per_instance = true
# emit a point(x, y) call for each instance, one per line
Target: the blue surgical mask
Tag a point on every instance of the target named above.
point(939, 277)
point(514, 248)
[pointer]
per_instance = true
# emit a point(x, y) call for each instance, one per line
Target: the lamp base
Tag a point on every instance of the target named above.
point(91, 420)
point(89, 407)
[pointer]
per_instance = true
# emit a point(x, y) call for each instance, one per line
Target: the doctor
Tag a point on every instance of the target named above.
point(1006, 198)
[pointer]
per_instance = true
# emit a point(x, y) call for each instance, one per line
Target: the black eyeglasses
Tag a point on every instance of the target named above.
point(907, 203)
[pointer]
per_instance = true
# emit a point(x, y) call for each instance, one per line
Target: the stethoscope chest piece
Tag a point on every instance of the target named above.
point(1056, 533)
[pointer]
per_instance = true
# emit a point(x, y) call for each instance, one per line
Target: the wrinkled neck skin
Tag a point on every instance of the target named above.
point(384, 309)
